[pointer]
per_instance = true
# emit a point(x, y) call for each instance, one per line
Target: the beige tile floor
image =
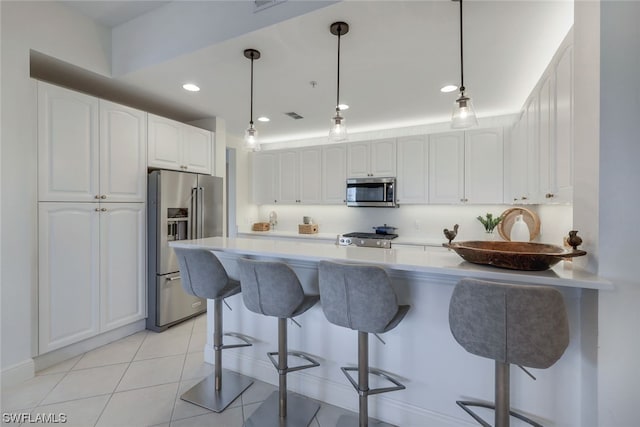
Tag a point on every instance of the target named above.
point(137, 381)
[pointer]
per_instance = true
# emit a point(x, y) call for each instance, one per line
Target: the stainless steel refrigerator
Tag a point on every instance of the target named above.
point(181, 206)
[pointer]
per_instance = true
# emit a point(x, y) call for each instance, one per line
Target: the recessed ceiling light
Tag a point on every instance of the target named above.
point(264, 119)
point(190, 87)
point(448, 88)
point(342, 107)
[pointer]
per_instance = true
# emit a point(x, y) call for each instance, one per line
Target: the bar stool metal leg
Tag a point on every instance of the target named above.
point(293, 410)
point(217, 391)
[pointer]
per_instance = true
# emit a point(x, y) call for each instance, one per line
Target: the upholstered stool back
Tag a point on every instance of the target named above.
point(359, 297)
point(515, 324)
point(272, 288)
point(203, 275)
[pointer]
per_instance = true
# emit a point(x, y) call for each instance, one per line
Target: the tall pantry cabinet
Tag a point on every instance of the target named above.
point(91, 216)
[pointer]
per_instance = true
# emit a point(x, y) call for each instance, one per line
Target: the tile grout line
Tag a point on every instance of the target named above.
point(116, 386)
point(184, 361)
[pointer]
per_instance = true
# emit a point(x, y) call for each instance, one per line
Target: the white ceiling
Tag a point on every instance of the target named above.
point(394, 60)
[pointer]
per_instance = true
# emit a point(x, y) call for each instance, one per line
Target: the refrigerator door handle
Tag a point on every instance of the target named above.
point(193, 215)
point(200, 223)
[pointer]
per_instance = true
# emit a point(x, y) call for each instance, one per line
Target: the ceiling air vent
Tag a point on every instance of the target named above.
point(263, 4)
point(294, 115)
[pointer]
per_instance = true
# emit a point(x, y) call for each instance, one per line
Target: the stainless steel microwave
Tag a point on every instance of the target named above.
point(371, 192)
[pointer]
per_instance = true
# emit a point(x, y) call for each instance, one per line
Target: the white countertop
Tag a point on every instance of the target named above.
point(434, 260)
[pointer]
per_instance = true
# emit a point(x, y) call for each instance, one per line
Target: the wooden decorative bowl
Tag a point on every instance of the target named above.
point(513, 255)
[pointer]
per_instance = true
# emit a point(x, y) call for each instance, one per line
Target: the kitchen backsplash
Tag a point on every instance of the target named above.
point(424, 222)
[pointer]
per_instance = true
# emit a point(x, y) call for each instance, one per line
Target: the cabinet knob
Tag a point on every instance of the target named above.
point(464, 200)
point(103, 209)
point(97, 196)
point(103, 197)
point(525, 198)
point(515, 199)
point(549, 195)
point(97, 209)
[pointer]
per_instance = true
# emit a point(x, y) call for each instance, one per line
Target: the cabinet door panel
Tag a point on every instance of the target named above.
point(197, 150)
point(122, 264)
point(164, 150)
point(484, 176)
point(123, 151)
point(334, 173)
point(288, 177)
point(68, 273)
point(310, 175)
point(563, 167)
point(67, 145)
point(446, 168)
point(383, 158)
point(264, 178)
point(412, 170)
point(358, 160)
point(545, 139)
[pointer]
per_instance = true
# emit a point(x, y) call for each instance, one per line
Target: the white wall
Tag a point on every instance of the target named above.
point(56, 30)
point(619, 312)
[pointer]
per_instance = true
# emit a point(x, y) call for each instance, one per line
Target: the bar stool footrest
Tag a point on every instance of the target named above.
point(397, 384)
point(312, 362)
point(237, 335)
point(465, 403)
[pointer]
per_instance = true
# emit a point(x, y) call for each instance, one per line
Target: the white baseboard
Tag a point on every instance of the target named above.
point(18, 373)
point(54, 357)
point(338, 394)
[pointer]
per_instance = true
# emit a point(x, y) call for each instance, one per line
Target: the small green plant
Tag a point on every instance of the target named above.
point(489, 222)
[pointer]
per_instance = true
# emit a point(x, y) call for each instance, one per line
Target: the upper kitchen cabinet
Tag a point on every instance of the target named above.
point(413, 171)
point(372, 158)
point(547, 131)
point(334, 174)
point(265, 171)
point(89, 149)
point(178, 146)
point(466, 167)
point(288, 176)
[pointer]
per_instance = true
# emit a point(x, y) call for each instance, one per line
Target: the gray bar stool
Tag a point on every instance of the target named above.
point(273, 289)
point(204, 276)
point(360, 297)
point(511, 324)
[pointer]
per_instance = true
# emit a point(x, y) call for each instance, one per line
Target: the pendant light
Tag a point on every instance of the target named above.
point(251, 134)
point(464, 115)
point(338, 130)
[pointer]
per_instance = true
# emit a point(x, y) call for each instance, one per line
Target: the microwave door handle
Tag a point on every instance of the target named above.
point(384, 192)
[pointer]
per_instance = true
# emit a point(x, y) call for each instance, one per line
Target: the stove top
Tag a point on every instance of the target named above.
point(371, 236)
point(371, 240)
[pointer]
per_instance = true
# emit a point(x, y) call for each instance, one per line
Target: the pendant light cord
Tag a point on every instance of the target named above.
point(338, 85)
point(251, 108)
point(461, 56)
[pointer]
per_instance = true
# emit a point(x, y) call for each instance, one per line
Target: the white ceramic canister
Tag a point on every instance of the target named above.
point(519, 230)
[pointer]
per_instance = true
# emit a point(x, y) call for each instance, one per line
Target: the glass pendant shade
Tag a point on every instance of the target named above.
point(338, 130)
point(251, 139)
point(464, 116)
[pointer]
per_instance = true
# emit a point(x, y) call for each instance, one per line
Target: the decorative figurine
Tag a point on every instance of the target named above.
point(451, 234)
point(574, 240)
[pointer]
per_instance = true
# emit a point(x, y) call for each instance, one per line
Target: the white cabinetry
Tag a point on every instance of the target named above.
point(373, 158)
point(446, 168)
point(92, 178)
point(466, 167)
point(288, 177)
point(91, 270)
point(546, 127)
point(178, 146)
point(89, 149)
point(334, 174)
point(413, 172)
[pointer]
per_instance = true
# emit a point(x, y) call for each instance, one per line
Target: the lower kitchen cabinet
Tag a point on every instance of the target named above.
point(91, 270)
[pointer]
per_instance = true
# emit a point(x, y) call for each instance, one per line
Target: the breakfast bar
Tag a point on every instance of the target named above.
point(421, 351)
